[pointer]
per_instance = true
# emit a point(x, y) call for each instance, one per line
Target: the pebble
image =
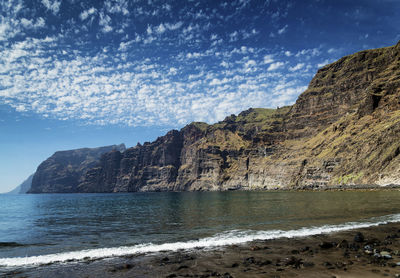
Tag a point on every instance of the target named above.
point(368, 247)
point(326, 245)
point(385, 255)
point(359, 237)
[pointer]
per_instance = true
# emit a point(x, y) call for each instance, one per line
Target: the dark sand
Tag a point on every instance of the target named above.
point(340, 254)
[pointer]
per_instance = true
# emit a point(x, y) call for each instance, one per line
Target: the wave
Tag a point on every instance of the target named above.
point(222, 239)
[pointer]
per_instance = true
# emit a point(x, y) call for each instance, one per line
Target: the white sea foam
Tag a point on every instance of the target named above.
point(222, 239)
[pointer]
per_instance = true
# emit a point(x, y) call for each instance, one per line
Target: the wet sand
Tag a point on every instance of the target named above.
point(368, 252)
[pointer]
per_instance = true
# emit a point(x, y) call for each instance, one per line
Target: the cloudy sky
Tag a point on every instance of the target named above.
point(90, 73)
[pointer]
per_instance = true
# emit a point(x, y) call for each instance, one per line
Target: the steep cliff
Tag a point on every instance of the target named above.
point(342, 130)
point(63, 171)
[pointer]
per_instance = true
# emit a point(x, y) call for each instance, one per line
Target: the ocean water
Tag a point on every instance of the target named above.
point(46, 228)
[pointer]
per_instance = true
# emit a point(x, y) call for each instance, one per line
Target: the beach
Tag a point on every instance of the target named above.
point(366, 252)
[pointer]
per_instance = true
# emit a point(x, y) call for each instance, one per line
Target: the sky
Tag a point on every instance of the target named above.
point(92, 73)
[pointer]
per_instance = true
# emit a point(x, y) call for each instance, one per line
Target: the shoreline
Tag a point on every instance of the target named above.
point(309, 188)
point(373, 253)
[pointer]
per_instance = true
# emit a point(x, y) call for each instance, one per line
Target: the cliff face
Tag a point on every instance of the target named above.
point(343, 129)
point(63, 171)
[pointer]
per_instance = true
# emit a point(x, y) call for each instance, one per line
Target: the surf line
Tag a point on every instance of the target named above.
point(218, 240)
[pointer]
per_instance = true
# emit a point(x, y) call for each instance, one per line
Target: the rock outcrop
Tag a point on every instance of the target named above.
point(344, 129)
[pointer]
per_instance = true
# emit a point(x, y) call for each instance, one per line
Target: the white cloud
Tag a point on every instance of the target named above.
point(129, 81)
point(297, 67)
point(174, 26)
point(167, 7)
point(105, 22)
point(324, 63)
point(85, 14)
point(149, 31)
point(160, 29)
point(268, 59)
point(53, 6)
point(333, 50)
point(117, 6)
point(107, 29)
point(216, 42)
point(249, 34)
point(26, 23)
point(173, 71)
point(96, 91)
point(224, 64)
point(288, 53)
point(275, 66)
point(309, 52)
point(10, 25)
point(31, 24)
point(20, 108)
point(234, 36)
point(217, 81)
point(149, 39)
point(250, 65)
point(283, 29)
point(193, 55)
point(123, 46)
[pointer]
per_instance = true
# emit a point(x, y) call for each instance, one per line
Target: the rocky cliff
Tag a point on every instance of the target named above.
point(64, 170)
point(344, 129)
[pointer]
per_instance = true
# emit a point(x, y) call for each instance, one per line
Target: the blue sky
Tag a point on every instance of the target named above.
point(91, 73)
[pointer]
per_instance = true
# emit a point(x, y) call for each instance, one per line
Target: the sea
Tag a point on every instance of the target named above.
point(57, 228)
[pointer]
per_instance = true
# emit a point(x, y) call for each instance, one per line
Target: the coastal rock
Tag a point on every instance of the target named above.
point(64, 170)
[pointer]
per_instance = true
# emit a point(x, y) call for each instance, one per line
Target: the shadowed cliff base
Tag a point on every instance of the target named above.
point(342, 131)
